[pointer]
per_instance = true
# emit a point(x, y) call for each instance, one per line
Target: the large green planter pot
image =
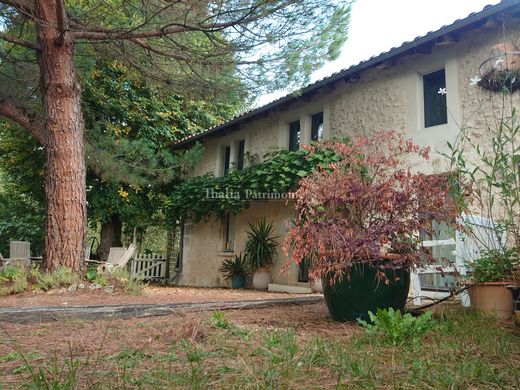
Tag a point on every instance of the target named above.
point(238, 281)
point(348, 300)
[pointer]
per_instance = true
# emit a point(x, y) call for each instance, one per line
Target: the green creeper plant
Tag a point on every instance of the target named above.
point(279, 172)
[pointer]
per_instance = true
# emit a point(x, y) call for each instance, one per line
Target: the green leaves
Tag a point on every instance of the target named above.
point(261, 244)
point(494, 265)
point(395, 329)
point(280, 172)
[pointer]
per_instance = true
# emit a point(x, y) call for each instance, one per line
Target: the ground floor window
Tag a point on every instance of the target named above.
point(442, 248)
point(303, 271)
point(229, 233)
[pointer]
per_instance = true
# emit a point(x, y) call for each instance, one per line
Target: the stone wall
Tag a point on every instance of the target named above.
point(381, 100)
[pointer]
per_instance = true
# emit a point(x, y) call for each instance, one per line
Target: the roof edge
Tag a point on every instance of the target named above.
point(459, 24)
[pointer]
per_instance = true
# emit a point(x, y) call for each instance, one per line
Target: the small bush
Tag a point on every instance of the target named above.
point(13, 280)
point(61, 277)
point(18, 278)
point(395, 328)
point(494, 266)
point(219, 320)
point(120, 278)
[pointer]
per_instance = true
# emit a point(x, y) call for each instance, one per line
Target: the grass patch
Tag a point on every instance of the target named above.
point(15, 279)
point(461, 350)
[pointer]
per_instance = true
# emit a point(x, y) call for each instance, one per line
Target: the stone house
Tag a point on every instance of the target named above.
point(395, 90)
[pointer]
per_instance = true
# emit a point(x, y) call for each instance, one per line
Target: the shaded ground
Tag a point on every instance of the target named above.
point(280, 347)
point(62, 297)
point(41, 314)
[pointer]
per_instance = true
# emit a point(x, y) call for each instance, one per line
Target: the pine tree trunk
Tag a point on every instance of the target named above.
point(65, 226)
point(110, 236)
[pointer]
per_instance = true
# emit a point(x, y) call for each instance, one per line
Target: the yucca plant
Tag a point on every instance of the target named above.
point(235, 267)
point(236, 270)
point(261, 244)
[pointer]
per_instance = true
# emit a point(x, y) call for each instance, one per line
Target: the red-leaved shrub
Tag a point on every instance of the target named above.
point(367, 207)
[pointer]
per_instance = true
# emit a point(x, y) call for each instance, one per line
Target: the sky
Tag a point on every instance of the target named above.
point(378, 25)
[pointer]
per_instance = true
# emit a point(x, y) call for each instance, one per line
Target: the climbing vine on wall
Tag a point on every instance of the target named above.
point(202, 197)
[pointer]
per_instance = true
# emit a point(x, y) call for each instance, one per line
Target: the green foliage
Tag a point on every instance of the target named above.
point(463, 350)
point(121, 278)
point(235, 267)
point(22, 210)
point(219, 320)
point(13, 280)
point(494, 265)
point(278, 173)
point(492, 172)
point(261, 244)
point(91, 275)
point(61, 277)
point(17, 278)
point(395, 329)
point(131, 124)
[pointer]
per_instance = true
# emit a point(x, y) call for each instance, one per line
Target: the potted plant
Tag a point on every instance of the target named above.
point(358, 219)
point(260, 251)
point(491, 274)
point(491, 168)
point(236, 270)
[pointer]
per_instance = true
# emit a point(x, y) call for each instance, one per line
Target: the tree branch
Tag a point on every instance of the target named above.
point(104, 34)
point(61, 16)
point(19, 41)
point(23, 6)
point(19, 114)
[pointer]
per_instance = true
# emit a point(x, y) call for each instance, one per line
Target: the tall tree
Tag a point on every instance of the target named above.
point(274, 42)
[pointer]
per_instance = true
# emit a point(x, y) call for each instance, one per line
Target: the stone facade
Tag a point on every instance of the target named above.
point(380, 100)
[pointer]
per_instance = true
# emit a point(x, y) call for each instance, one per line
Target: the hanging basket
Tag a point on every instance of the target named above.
point(501, 71)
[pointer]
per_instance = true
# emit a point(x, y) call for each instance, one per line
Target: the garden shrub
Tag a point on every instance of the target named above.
point(120, 278)
point(61, 277)
point(394, 328)
point(13, 280)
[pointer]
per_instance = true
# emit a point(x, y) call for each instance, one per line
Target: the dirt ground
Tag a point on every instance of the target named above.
point(150, 295)
point(88, 339)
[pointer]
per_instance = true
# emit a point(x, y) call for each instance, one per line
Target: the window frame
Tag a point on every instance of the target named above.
point(241, 151)
point(431, 97)
point(318, 119)
point(294, 135)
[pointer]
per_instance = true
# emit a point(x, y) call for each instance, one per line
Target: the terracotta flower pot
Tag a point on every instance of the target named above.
point(262, 278)
point(316, 285)
point(493, 298)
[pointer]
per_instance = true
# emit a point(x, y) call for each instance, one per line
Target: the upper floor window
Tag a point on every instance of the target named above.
point(294, 136)
point(434, 87)
point(241, 154)
point(317, 127)
point(227, 159)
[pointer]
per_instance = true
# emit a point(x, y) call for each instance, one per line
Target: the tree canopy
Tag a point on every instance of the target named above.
point(266, 44)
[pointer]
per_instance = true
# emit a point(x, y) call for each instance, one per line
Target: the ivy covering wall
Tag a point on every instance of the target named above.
point(202, 197)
